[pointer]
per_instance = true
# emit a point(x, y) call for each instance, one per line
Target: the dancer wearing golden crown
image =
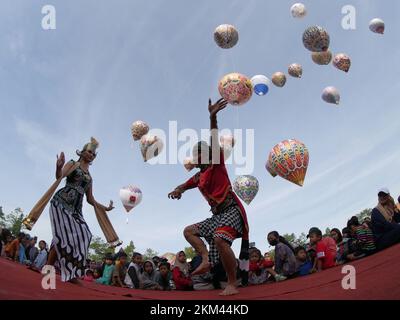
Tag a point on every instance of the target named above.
point(71, 234)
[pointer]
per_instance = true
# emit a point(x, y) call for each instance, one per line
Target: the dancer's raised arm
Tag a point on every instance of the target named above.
point(214, 109)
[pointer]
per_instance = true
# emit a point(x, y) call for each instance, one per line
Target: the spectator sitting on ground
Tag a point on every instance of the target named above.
point(303, 263)
point(285, 261)
point(22, 249)
point(156, 260)
point(89, 276)
point(342, 249)
point(325, 250)
point(148, 279)
point(120, 270)
point(41, 258)
point(164, 276)
point(364, 239)
point(12, 249)
point(132, 278)
point(31, 250)
point(259, 268)
point(108, 270)
point(5, 238)
point(180, 272)
point(384, 221)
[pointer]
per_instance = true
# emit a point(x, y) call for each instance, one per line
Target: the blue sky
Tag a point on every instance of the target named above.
point(110, 63)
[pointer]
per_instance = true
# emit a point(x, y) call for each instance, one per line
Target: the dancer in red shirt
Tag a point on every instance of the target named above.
point(229, 219)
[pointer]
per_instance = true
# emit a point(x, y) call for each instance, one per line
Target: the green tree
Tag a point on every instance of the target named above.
point(98, 249)
point(13, 221)
point(129, 249)
point(366, 213)
point(327, 232)
point(2, 218)
point(149, 254)
point(190, 253)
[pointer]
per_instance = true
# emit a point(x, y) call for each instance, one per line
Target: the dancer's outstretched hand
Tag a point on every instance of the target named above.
point(110, 206)
point(216, 107)
point(176, 194)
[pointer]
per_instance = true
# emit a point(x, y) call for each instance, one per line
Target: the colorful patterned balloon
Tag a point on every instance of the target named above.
point(235, 88)
point(246, 187)
point(130, 197)
point(295, 70)
point(289, 159)
point(139, 129)
point(316, 39)
point(331, 95)
point(150, 146)
point(342, 62)
point(226, 36)
point(322, 58)
point(279, 79)
point(269, 169)
point(261, 84)
point(298, 10)
point(377, 25)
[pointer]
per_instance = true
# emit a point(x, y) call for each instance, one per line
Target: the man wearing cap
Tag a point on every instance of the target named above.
point(385, 220)
point(325, 250)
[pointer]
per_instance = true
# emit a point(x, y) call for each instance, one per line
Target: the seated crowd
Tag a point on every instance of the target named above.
point(357, 240)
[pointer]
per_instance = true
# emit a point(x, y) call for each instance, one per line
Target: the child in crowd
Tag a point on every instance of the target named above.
point(148, 279)
point(107, 271)
point(342, 245)
point(31, 250)
point(180, 272)
point(156, 260)
point(364, 239)
point(89, 276)
point(132, 278)
point(164, 276)
point(259, 268)
point(120, 271)
point(285, 260)
point(22, 249)
point(12, 249)
point(96, 273)
point(325, 250)
point(303, 263)
point(41, 258)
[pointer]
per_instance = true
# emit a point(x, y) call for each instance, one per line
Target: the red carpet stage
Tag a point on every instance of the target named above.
point(377, 277)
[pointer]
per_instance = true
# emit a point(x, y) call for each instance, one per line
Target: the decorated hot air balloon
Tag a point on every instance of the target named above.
point(295, 70)
point(188, 163)
point(270, 170)
point(322, 58)
point(246, 187)
point(130, 197)
point(342, 62)
point(298, 10)
point(331, 95)
point(316, 39)
point(226, 36)
point(289, 159)
point(235, 88)
point(139, 129)
point(377, 25)
point(150, 146)
point(260, 84)
point(279, 79)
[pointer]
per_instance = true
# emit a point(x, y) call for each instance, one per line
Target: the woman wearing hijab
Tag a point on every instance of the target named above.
point(180, 272)
point(148, 279)
point(385, 219)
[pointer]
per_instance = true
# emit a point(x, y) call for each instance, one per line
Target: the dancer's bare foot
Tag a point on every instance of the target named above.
point(204, 267)
point(230, 290)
